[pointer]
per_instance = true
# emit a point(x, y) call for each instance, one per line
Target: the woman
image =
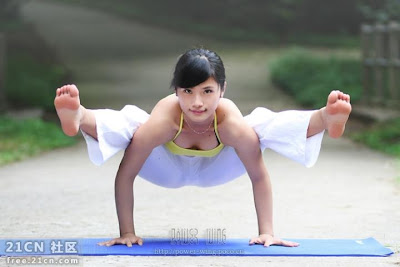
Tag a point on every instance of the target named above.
point(197, 137)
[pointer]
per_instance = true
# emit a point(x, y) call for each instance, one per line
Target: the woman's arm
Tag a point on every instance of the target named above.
point(156, 131)
point(235, 132)
point(248, 150)
point(134, 157)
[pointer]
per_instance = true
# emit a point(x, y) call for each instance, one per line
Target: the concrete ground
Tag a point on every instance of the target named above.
point(350, 193)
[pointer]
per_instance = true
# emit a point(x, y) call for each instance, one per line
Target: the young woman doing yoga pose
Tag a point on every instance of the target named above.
point(195, 136)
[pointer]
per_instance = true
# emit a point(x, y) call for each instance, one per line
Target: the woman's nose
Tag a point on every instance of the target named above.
point(198, 101)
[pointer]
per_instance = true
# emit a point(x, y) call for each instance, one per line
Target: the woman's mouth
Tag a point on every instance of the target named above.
point(197, 111)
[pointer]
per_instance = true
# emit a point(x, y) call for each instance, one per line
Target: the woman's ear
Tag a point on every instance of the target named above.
point(223, 90)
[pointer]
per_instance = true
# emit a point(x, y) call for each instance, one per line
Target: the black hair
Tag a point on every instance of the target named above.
point(196, 66)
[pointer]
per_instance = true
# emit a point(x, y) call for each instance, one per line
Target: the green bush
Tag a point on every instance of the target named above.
point(20, 139)
point(310, 78)
point(30, 83)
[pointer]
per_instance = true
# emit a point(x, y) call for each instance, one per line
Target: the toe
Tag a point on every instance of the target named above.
point(333, 96)
point(340, 95)
point(73, 90)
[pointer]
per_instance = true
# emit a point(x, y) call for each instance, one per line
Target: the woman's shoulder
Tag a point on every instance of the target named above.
point(167, 106)
point(167, 111)
point(231, 124)
point(162, 124)
point(227, 111)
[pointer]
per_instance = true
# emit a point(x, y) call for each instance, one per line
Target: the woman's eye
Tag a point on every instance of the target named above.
point(188, 91)
point(208, 91)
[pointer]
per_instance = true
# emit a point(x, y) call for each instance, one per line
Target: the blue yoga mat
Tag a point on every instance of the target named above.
point(201, 247)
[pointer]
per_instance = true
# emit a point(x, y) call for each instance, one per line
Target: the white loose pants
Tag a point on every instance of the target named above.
point(284, 132)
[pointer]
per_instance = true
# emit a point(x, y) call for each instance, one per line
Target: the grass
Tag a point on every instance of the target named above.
point(383, 136)
point(20, 139)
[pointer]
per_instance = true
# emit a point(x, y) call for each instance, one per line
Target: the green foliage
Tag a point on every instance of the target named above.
point(30, 82)
point(20, 139)
point(9, 9)
point(310, 78)
point(324, 40)
point(32, 69)
point(242, 20)
point(9, 15)
point(383, 136)
point(380, 11)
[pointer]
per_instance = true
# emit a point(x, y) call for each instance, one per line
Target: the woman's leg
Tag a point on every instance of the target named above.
point(72, 114)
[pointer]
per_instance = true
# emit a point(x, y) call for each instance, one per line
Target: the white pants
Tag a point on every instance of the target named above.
point(284, 132)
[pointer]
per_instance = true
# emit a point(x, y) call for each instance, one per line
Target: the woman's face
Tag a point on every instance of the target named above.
point(200, 102)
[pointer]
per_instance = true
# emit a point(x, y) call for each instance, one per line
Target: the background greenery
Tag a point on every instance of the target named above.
point(273, 22)
point(30, 83)
point(20, 139)
point(306, 22)
point(32, 71)
point(309, 78)
point(383, 136)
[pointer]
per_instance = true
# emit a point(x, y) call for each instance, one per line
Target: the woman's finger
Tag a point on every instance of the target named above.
point(104, 243)
point(267, 243)
point(257, 241)
point(285, 243)
point(289, 243)
point(111, 243)
point(125, 241)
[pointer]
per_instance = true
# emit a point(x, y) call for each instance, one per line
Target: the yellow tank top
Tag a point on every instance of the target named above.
point(175, 149)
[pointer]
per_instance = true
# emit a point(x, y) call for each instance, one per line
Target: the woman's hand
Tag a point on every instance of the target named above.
point(126, 239)
point(268, 240)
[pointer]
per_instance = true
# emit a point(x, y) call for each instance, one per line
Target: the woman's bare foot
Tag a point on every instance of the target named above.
point(68, 105)
point(336, 113)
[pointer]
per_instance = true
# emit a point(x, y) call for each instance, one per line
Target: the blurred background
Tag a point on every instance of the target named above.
point(282, 54)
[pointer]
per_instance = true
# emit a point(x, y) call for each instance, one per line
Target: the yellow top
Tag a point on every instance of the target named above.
point(175, 149)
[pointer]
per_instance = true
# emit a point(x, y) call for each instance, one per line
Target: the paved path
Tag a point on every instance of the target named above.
point(350, 193)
